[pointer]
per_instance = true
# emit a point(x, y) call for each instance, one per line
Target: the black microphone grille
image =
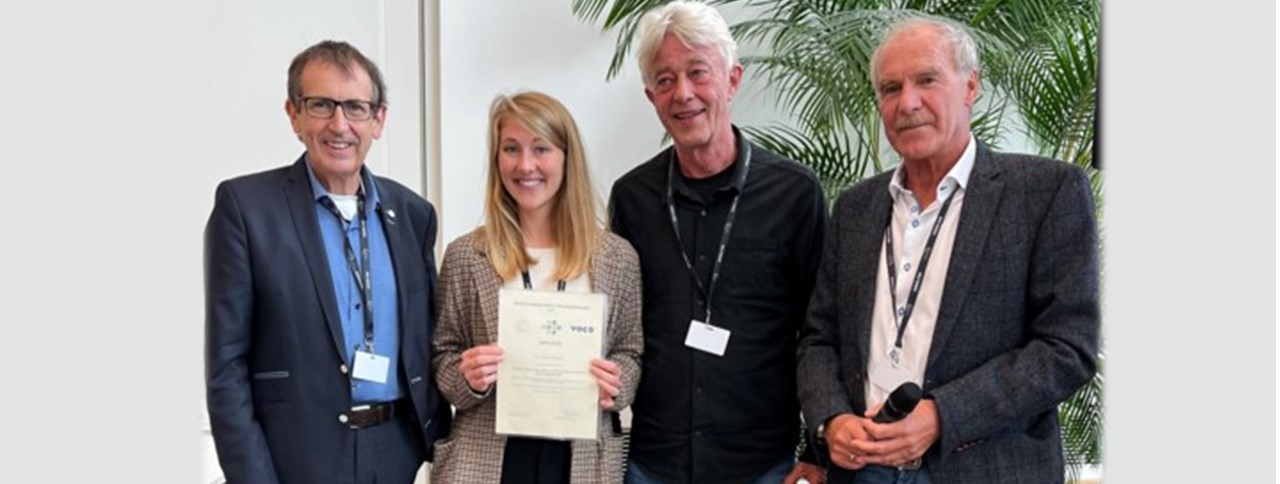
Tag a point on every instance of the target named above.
point(905, 397)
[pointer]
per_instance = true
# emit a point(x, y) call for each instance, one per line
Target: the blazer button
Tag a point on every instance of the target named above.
point(343, 368)
point(342, 417)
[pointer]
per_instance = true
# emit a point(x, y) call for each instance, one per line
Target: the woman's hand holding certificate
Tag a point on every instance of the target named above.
point(480, 367)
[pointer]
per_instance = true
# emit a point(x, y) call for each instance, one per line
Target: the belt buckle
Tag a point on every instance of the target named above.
point(911, 466)
point(359, 418)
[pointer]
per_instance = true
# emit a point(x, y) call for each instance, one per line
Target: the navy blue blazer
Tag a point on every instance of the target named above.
point(1017, 327)
point(275, 376)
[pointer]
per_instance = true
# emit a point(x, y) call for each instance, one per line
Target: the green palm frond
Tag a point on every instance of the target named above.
point(622, 15)
point(1057, 84)
point(988, 120)
point(818, 65)
point(838, 160)
point(1082, 423)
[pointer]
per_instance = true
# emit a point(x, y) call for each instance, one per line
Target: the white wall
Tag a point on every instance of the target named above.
point(254, 41)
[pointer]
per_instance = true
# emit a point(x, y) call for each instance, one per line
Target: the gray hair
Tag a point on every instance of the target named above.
point(341, 55)
point(696, 24)
point(964, 52)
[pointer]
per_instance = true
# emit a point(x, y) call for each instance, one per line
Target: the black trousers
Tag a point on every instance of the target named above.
point(535, 461)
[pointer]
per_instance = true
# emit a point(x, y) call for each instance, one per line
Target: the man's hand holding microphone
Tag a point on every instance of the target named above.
point(896, 433)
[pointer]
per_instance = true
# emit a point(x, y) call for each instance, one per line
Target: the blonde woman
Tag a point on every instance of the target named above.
point(541, 232)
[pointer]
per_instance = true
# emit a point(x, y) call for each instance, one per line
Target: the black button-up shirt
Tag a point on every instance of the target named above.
point(699, 417)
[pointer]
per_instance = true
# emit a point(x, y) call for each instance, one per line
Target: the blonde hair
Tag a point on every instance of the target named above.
point(573, 217)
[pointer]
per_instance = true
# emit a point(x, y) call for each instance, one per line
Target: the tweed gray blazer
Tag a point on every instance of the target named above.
point(1017, 329)
point(468, 298)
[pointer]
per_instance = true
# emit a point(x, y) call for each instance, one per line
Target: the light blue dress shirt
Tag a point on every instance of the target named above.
point(386, 317)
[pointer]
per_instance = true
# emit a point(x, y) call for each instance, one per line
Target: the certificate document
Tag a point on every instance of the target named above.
point(545, 387)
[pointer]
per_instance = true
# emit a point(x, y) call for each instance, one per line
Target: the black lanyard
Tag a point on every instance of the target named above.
point(528, 283)
point(364, 281)
point(891, 263)
point(724, 235)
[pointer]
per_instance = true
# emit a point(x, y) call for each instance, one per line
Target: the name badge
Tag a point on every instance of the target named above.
point(370, 367)
point(887, 375)
point(708, 338)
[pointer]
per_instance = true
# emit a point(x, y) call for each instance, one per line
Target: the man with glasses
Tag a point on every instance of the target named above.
point(319, 299)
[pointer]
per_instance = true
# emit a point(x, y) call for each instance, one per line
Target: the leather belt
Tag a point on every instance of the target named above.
point(365, 416)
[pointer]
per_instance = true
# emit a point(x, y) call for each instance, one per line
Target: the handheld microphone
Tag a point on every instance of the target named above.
point(900, 403)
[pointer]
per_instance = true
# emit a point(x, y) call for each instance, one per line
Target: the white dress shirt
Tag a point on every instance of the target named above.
point(911, 227)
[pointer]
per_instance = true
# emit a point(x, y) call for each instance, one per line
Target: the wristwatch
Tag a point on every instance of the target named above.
point(821, 429)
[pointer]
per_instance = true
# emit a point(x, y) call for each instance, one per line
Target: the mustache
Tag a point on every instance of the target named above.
point(913, 120)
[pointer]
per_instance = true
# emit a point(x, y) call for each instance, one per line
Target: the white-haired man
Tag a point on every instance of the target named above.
point(728, 236)
point(968, 272)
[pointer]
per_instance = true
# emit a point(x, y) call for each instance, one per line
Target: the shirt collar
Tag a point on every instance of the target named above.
point(369, 188)
point(736, 180)
point(958, 175)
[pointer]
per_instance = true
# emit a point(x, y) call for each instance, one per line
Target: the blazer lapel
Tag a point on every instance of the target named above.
point(487, 282)
point(297, 190)
point(400, 244)
point(981, 199)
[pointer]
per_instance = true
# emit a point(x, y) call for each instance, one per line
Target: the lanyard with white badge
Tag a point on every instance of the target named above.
point(367, 364)
point(703, 335)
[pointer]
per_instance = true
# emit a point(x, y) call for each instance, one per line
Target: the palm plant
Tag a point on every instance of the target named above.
point(1039, 69)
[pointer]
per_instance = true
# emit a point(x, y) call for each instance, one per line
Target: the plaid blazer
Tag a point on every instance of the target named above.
point(468, 298)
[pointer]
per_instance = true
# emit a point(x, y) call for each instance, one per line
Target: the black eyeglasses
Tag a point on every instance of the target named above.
point(323, 108)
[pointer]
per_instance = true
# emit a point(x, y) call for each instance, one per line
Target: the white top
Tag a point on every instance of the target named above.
point(540, 274)
point(347, 205)
point(911, 229)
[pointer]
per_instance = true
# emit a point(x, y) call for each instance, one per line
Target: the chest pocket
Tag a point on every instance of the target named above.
point(754, 267)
